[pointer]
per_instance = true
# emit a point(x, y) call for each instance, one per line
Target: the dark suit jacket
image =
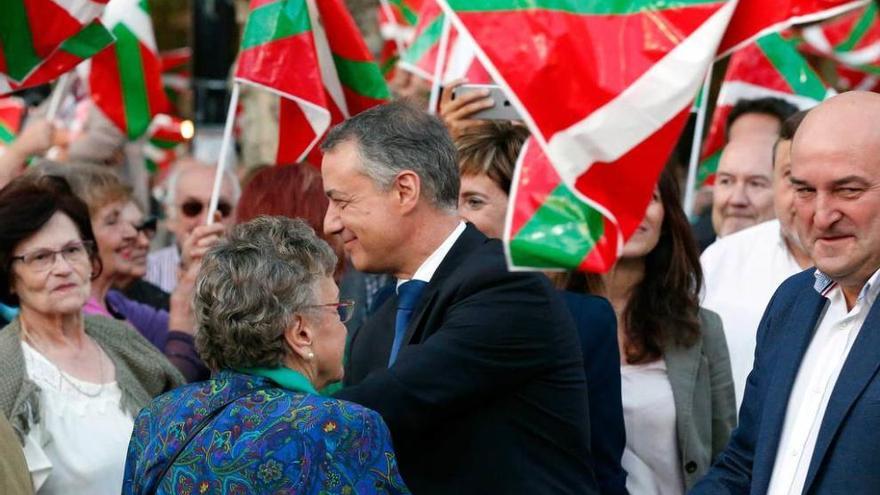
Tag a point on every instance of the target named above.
point(488, 393)
point(597, 330)
point(845, 459)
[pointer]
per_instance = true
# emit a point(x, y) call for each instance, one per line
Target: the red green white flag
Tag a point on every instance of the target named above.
point(42, 39)
point(769, 67)
point(852, 40)
point(165, 135)
point(755, 18)
point(125, 80)
point(314, 57)
point(604, 124)
point(461, 59)
point(12, 112)
point(397, 22)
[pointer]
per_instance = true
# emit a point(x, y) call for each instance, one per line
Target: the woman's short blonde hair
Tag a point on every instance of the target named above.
point(96, 185)
point(491, 148)
point(250, 287)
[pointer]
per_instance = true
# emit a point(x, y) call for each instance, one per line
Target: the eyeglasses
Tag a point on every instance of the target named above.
point(147, 227)
point(345, 308)
point(43, 260)
point(191, 208)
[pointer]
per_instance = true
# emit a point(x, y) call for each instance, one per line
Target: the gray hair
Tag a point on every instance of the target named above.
point(396, 136)
point(250, 286)
point(180, 170)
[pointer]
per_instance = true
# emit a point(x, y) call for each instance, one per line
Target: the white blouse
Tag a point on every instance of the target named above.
point(651, 457)
point(80, 443)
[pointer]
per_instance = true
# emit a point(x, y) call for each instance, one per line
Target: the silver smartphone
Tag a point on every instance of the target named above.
point(503, 108)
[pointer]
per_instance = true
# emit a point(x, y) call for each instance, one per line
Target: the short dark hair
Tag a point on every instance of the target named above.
point(397, 136)
point(26, 205)
point(786, 132)
point(491, 148)
point(774, 107)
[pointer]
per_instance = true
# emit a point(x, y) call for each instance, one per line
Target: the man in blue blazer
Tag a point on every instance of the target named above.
point(476, 370)
point(810, 418)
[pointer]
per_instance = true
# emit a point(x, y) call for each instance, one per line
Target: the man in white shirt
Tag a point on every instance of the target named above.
point(472, 367)
point(186, 201)
point(810, 418)
point(743, 270)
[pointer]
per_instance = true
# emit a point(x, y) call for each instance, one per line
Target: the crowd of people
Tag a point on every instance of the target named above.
point(352, 326)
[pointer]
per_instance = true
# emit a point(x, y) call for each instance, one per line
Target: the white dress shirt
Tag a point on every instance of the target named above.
point(426, 270)
point(741, 272)
point(651, 457)
point(836, 331)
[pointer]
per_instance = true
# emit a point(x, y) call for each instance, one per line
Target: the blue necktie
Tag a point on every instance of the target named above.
point(408, 295)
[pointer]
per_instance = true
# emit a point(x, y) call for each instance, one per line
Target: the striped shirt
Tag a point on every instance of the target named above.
point(162, 268)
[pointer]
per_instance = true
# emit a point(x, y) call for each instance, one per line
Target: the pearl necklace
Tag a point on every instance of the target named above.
point(61, 374)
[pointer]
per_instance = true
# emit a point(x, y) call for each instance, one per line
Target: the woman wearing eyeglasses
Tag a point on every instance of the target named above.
point(131, 283)
point(107, 197)
point(273, 337)
point(70, 384)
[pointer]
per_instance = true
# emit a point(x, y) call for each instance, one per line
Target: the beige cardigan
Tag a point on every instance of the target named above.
point(142, 372)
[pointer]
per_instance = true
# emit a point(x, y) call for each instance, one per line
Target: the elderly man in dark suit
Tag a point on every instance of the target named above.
point(477, 371)
point(810, 418)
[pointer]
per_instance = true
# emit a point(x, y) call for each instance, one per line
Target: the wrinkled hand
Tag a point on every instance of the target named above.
point(36, 138)
point(455, 113)
point(200, 240)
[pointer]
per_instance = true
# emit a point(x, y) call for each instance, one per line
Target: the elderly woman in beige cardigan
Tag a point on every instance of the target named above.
point(69, 384)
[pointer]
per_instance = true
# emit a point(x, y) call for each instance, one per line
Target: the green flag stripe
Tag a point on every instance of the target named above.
point(792, 67)
point(707, 167)
point(388, 65)
point(163, 144)
point(16, 40)
point(428, 38)
point(408, 13)
point(364, 78)
point(131, 75)
point(6, 134)
point(275, 21)
point(89, 41)
point(587, 7)
point(862, 26)
point(561, 233)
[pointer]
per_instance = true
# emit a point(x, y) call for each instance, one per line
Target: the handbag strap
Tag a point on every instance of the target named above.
point(195, 432)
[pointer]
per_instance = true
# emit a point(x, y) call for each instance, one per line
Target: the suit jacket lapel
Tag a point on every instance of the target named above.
point(858, 370)
point(469, 240)
point(795, 338)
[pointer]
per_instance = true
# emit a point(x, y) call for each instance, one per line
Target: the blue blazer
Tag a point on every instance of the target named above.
point(597, 330)
point(845, 459)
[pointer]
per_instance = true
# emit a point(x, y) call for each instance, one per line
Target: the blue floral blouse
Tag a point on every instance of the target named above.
point(271, 441)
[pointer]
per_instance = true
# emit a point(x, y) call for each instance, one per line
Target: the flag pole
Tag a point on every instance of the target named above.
point(58, 93)
point(224, 153)
point(438, 66)
point(691, 183)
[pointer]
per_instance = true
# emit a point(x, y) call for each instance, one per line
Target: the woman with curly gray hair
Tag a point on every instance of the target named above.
point(270, 325)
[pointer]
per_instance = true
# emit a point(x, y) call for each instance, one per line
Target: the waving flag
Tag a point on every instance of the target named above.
point(769, 67)
point(756, 18)
point(604, 124)
point(125, 80)
point(12, 112)
point(421, 56)
point(852, 40)
point(314, 58)
point(42, 39)
point(397, 21)
point(166, 134)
